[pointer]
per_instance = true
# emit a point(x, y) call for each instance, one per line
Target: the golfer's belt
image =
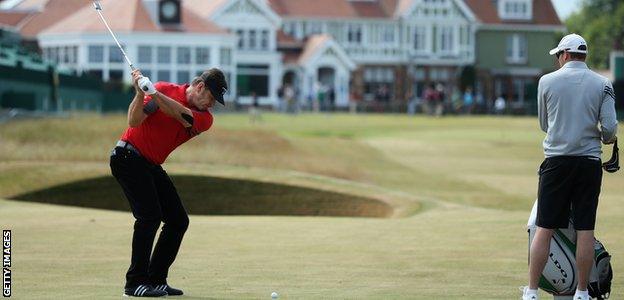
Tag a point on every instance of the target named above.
point(126, 145)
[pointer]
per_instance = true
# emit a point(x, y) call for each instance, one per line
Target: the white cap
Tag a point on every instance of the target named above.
point(571, 43)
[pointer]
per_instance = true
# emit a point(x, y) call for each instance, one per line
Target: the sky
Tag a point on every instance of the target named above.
point(566, 7)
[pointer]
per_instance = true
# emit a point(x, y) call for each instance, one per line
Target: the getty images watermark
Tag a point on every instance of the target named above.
point(6, 263)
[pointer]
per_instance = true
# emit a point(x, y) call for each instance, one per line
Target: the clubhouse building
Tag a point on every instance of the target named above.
point(351, 48)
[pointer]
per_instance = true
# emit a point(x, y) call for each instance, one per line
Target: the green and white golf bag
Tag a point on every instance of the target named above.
point(559, 277)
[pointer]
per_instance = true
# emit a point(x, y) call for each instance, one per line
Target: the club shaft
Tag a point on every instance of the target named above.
point(115, 38)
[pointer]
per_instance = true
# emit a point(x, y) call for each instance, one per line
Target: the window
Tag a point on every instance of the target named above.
point(252, 39)
point(464, 35)
point(164, 54)
point(54, 54)
point(184, 55)
point(95, 74)
point(379, 74)
point(264, 40)
point(114, 54)
point(387, 34)
point(420, 36)
point(71, 54)
point(378, 82)
point(228, 77)
point(96, 54)
point(46, 53)
point(446, 42)
point(225, 56)
point(115, 75)
point(515, 9)
point(253, 78)
point(64, 55)
point(289, 28)
point(518, 90)
point(163, 75)
point(439, 74)
point(241, 38)
point(314, 28)
point(184, 77)
point(202, 55)
point(145, 54)
point(516, 52)
point(354, 33)
point(502, 88)
point(146, 72)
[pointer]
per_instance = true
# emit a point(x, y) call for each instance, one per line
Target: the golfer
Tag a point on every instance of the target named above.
point(161, 118)
point(576, 109)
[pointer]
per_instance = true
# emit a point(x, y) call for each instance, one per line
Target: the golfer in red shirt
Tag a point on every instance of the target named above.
point(162, 117)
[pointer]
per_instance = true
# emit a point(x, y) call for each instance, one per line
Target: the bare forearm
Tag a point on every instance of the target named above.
point(173, 108)
point(135, 111)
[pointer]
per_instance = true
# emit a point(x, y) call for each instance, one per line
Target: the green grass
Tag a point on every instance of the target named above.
point(460, 190)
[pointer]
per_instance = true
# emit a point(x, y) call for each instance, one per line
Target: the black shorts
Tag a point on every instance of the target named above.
point(568, 184)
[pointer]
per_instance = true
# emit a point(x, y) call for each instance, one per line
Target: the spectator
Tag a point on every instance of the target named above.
point(254, 109)
point(468, 101)
point(440, 100)
point(456, 100)
point(430, 96)
point(289, 99)
point(499, 105)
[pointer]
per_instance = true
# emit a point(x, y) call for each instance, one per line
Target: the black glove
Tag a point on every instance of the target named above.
point(613, 165)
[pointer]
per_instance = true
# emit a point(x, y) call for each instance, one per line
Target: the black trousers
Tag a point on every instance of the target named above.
point(153, 199)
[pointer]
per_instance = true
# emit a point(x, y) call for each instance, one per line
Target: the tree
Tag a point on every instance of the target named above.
point(601, 23)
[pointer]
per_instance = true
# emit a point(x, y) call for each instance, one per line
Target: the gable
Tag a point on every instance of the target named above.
point(441, 9)
point(321, 48)
point(243, 7)
point(249, 10)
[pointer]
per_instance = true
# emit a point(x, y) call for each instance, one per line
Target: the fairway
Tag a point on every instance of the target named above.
point(450, 196)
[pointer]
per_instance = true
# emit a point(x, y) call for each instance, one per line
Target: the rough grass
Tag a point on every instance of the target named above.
point(460, 189)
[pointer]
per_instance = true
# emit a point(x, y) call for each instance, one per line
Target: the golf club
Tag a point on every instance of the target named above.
point(98, 8)
point(144, 82)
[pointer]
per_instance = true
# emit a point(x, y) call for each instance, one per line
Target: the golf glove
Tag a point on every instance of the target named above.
point(147, 86)
point(613, 164)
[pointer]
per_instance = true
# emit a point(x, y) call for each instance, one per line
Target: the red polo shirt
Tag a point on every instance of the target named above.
point(160, 134)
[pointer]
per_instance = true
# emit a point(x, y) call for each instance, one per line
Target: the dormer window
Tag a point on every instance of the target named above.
point(515, 9)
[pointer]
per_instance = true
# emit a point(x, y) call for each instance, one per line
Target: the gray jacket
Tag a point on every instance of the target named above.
point(572, 103)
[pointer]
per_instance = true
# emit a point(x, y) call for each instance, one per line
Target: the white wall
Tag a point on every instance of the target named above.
point(131, 43)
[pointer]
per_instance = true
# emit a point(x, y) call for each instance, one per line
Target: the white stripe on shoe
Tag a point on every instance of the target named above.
point(136, 291)
point(142, 290)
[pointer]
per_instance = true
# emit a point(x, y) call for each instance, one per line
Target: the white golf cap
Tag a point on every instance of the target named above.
point(571, 43)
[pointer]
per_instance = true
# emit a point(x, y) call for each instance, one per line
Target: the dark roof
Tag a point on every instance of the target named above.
point(486, 11)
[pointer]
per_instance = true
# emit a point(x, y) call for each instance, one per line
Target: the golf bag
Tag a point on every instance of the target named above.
point(559, 276)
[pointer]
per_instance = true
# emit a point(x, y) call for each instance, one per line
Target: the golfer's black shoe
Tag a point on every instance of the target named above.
point(170, 291)
point(144, 290)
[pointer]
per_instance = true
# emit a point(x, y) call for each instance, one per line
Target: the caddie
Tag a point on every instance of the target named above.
point(161, 117)
point(576, 109)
